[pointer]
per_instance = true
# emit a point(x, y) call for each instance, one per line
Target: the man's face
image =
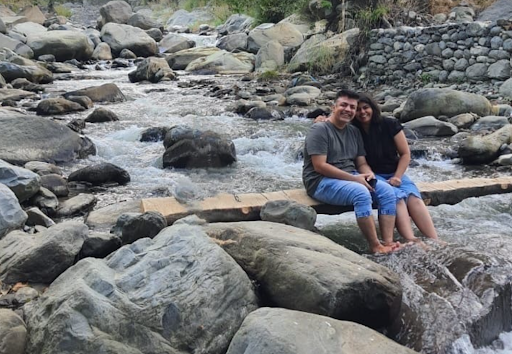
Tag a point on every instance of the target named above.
point(345, 109)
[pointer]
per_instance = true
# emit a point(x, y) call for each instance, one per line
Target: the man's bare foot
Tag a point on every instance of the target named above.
point(384, 249)
point(439, 241)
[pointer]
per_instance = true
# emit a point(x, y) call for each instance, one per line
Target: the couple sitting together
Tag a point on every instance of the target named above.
point(356, 156)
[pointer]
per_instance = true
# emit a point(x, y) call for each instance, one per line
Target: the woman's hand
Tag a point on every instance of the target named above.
point(395, 181)
point(320, 118)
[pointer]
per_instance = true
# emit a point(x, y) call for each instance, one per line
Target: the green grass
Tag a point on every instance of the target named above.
point(63, 11)
point(269, 75)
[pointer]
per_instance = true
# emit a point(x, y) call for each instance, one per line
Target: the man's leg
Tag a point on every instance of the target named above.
point(387, 200)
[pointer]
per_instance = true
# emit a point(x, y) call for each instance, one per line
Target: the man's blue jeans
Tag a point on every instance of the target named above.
point(341, 192)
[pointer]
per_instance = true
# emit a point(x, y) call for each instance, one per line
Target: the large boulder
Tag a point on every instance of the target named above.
point(13, 333)
point(28, 28)
point(484, 149)
point(102, 52)
point(274, 330)
point(142, 21)
point(301, 270)
point(24, 183)
point(285, 33)
point(106, 217)
point(42, 257)
point(33, 14)
point(184, 18)
point(430, 126)
point(57, 105)
point(18, 47)
point(36, 74)
point(116, 12)
point(28, 138)
point(499, 10)
point(153, 70)
point(233, 42)
point(173, 43)
point(104, 93)
point(12, 216)
point(223, 62)
point(120, 37)
point(181, 59)
point(192, 148)
point(506, 88)
point(444, 102)
point(64, 45)
point(101, 173)
point(236, 23)
point(176, 293)
point(270, 56)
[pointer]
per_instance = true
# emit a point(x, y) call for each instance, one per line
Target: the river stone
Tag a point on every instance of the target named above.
point(270, 57)
point(58, 105)
point(120, 37)
point(14, 95)
point(151, 69)
point(183, 18)
point(155, 33)
point(17, 46)
point(33, 14)
point(26, 294)
point(106, 217)
point(42, 257)
point(264, 113)
point(100, 245)
point(46, 201)
point(116, 12)
point(24, 84)
point(285, 33)
point(100, 174)
point(506, 88)
point(56, 184)
point(289, 212)
point(464, 120)
point(36, 74)
point(125, 54)
point(499, 70)
point(176, 293)
point(173, 43)
point(223, 62)
point(102, 52)
point(505, 160)
point(77, 205)
point(301, 270)
point(233, 42)
point(275, 330)
point(197, 149)
point(235, 23)
point(484, 149)
point(13, 333)
point(430, 126)
point(153, 134)
point(148, 224)
point(490, 123)
point(142, 21)
point(181, 59)
point(37, 217)
point(24, 183)
point(29, 28)
point(104, 93)
point(12, 216)
point(444, 102)
point(64, 45)
point(101, 115)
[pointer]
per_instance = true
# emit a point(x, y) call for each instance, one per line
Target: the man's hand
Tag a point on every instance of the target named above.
point(395, 181)
point(363, 178)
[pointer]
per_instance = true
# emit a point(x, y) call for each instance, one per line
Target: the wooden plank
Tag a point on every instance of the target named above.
point(245, 207)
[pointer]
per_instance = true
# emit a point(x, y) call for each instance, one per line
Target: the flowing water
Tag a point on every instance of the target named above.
point(268, 160)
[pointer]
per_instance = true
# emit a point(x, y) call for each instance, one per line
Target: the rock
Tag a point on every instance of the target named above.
point(153, 70)
point(40, 258)
point(477, 72)
point(100, 115)
point(142, 21)
point(100, 174)
point(106, 217)
point(499, 70)
point(100, 245)
point(285, 33)
point(125, 54)
point(102, 52)
point(42, 168)
point(462, 14)
point(157, 307)
point(46, 201)
point(83, 101)
point(173, 43)
point(181, 59)
point(12, 216)
point(24, 84)
point(155, 33)
point(187, 148)
point(154, 134)
point(484, 149)
point(17, 46)
point(148, 224)
point(120, 37)
point(56, 184)
point(490, 123)
point(264, 113)
point(184, 18)
point(235, 23)
point(506, 88)
point(301, 95)
point(13, 333)
point(430, 126)
point(63, 45)
point(464, 120)
point(33, 14)
point(223, 62)
point(290, 213)
point(14, 95)
point(233, 42)
point(77, 205)
point(499, 9)
point(244, 106)
point(37, 217)
point(437, 102)
point(58, 105)
point(26, 294)
point(22, 182)
point(275, 330)
point(270, 57)
point(103, 93)
point(28, 28)
point(505, 160)
point(116, 12)
point(36, 74)
point(310, 273)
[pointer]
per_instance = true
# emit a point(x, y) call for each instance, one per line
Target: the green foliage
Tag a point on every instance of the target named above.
point(63, 11)
point(189, 5)
point(372, 16)
point(425, 78)
point(322, 61)
point(267, 10)
point(269, 75)
point(326, 4)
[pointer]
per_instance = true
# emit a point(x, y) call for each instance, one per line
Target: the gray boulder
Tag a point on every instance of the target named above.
point(101, 173)
point(153, 70)
point(102, 52)
point(100, 245)
point(36, 73)
point(285, 33)
point(290, 213)
point(12, 216)
point(223, 62)
point(46, 201)
point(29, 28)
point(33, 14)
point(301, 95)
point(484, 149)
point(43, 257)
point(274, 330)
point(181, 59)
point(148, 224)
point(43, 168)
point(498, 10)
point(24, 183)
point(184, 18)
point(490, 123)
point(153, 296)
point(100, 115)
point(506, 88)
point(233, 42)
point(235, 23)
point(56, 184)
point(464, 120)
point(270, 57)
point(120, 37)
point(106, 217)
point(64, 45)
point(437, 102)
point(15, 94)
point(58, 105)
point(142, 21)
point(17, 46)
point(77, 205)
point(104, 93)
point(173, 43)
point(155, 33)
point(37, 217)
point(13, 333)
point(430, 126)
point(301, 270)
point(116, 12)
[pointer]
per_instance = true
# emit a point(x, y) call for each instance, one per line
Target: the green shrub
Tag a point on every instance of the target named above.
point(269, 75)
point(322, 61)
point(63, 11)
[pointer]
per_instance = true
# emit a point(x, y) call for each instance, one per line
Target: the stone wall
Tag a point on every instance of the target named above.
point(471, 52)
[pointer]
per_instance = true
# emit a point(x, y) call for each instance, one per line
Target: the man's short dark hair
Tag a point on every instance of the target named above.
point(347, 93)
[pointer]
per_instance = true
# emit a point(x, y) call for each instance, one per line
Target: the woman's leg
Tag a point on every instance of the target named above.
point(403, 222)
point(421, 217)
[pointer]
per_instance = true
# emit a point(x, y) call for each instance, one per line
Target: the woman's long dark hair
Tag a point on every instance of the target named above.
point(376, 115)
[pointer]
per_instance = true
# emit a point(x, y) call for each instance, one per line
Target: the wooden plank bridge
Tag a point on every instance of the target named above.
point(246, 207)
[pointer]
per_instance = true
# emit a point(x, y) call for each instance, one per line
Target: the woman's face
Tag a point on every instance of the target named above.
point(364, 113)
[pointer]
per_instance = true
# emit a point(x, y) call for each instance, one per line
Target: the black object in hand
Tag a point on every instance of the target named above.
point(372, 182)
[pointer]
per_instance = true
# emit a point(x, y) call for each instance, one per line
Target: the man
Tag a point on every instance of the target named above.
point(335, 172)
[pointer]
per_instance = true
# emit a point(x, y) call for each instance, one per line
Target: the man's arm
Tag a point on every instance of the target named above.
point(321, 166)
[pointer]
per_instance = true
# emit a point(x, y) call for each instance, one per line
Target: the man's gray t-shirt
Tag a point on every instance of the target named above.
point(341, 146)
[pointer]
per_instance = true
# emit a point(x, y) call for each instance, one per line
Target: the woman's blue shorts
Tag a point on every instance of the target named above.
point(405, 190)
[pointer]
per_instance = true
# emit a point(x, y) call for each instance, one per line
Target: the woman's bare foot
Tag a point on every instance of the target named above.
point(384, 249)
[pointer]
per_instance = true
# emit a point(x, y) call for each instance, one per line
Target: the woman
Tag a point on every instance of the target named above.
point(388, 154)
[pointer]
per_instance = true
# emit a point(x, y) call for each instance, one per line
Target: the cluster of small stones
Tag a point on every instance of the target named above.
point(453, 53)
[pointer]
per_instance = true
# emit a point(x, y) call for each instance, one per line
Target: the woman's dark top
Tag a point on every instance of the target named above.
point(379, 143)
